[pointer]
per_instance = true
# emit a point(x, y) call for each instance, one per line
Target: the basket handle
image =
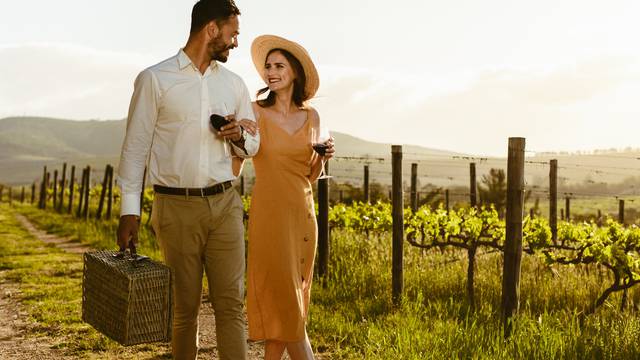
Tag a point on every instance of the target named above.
point(132, 251)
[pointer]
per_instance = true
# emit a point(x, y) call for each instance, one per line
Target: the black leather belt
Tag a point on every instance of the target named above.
point(202, 192)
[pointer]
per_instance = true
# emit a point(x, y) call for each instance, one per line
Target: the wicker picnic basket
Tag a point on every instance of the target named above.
point(127, 299)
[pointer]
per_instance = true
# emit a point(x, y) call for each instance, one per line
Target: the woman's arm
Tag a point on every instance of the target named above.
point(318, 161)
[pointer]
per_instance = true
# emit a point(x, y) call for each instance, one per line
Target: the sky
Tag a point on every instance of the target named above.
point(462, 75)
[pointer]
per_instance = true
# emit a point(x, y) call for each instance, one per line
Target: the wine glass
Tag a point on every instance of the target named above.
point(222, 110)
point(319, 139)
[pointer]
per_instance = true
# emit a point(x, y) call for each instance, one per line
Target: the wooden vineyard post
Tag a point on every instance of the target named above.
point(473, 197)
point(10, 196)
point(22, 195)
point(513, 239)
point(366, 184)
point(446, 200)
point(241, 185)
point(81, 193)
point(110, 192)
point(103, 192)
point(323, 227)
point(414, 187)
point(43, 186)
point(33, 193)
point(46, 189)
point(553, 199)
point(87, 188)
point(72, 184)
point(567, 206)
point(63, 182)
point(532, 214)
point(397, 215)
point(621, 211)
point(1, 192)
point(55, 190)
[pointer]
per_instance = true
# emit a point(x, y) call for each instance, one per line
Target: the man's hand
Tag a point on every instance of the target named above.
point(231, 131)
point(128, 230)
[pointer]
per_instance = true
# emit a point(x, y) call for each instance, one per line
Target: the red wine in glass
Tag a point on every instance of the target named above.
point(319, 139)
point(217, 118)
point(320, 148)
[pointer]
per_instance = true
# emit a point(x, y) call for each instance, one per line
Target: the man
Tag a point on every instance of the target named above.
point(197, 217)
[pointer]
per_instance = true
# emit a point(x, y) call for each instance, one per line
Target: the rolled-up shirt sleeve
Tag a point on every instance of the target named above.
point(141, 121)
point(245, 111)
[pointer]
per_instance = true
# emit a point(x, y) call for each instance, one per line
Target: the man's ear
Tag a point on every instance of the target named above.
point(212, 29)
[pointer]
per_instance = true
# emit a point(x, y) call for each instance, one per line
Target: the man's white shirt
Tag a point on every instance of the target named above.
point(168, 124)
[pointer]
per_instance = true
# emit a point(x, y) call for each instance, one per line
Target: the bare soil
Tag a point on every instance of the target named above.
point(17, 341)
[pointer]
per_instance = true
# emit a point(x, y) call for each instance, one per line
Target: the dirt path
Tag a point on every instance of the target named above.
point(65, 244)
point(15, 341)
point(16, 344)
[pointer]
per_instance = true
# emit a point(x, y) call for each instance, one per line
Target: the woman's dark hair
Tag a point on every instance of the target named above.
point(205, 11)
point(299, 83)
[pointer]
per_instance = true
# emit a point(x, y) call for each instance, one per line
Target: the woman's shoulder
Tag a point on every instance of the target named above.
point(313, 115)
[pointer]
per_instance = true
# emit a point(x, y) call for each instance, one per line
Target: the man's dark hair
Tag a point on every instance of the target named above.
point(205, 11)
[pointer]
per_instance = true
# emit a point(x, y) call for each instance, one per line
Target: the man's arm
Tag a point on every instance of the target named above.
point(143, 114)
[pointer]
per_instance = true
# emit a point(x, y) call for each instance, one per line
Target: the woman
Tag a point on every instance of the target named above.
point(282, 222)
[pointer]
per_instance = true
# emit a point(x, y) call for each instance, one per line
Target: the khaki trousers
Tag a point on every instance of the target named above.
point(199, 234)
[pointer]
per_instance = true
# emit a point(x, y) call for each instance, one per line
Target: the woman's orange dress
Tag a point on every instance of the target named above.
point(282, 234)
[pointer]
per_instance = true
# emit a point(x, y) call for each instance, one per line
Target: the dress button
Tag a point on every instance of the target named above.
point(302, 261)
point(309, 215)
point(306, 238)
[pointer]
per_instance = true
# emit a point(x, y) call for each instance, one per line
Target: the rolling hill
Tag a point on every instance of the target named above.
point(29, 143)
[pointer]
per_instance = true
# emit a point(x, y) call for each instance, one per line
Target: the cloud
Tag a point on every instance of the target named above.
point(67, 81)
point(581, 106)
point(587, 104)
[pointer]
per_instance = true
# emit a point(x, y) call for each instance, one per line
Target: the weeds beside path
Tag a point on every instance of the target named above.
point(20, 337)
point(40, 301)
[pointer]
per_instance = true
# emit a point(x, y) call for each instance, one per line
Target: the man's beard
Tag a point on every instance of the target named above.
point(217, 49)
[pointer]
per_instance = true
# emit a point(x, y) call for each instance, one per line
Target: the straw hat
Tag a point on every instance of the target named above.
point(265, 43)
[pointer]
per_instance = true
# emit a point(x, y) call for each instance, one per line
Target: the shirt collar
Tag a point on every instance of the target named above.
point(184, 61)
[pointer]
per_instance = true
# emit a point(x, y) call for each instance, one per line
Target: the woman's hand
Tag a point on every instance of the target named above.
point(250, 126)
point(329, 152)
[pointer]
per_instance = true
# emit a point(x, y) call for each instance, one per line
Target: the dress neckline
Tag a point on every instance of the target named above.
point(304, 125)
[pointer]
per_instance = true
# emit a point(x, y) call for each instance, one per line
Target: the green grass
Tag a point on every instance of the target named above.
point(51, 285)
point(353, 316)
point(96, 234)
point(587, 208)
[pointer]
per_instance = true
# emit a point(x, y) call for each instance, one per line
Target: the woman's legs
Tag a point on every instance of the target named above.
point(300, 350)
point(273, 350)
